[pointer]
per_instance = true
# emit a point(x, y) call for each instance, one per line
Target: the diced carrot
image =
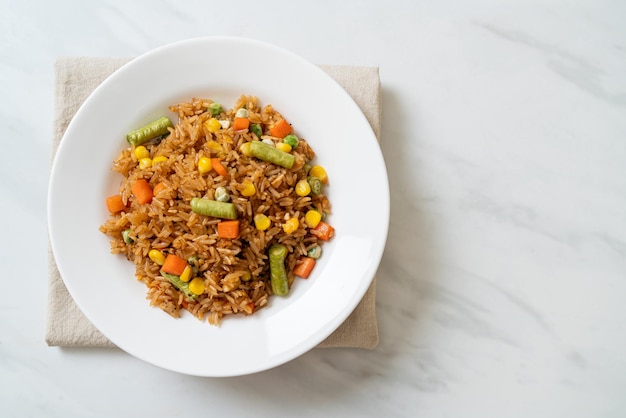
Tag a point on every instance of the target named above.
point(228, 229)
point(218, 167)
point(174, 265)
point(281, 129)
point(142, 191)
point(240, 124)
point(323, 231)
point(159, 188)
point(304, 268)
point(115, 203)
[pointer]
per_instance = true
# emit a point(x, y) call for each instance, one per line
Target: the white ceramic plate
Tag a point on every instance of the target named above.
point(103, 285)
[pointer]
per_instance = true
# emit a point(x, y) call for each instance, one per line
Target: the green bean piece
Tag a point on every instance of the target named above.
point(315, 252)
point(272, 155)
point(307, 167)
point(215, 109)
point(278, 253)
point(214, 208)
point(256, 129)
point(150, 131)
point(292, 140)
point(179, 284)
point(316, 185)
point(126, 236)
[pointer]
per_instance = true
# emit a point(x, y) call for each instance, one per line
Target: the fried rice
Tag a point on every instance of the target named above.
point(235, 272)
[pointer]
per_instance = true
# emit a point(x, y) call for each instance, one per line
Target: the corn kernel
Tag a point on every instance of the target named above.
point(248, 189)
point(212, 125)
point(246, 276)
point(214, 146)
point(319, 172)
point(303, 188)
point(197, 286)
point(261, 222)
point(145, 163)
point(159, 159)
point(291, 225)
point(312, 218)
point(157, 256)
point(245, 149)
point(283, 146)
point(141, 152)
point(204, 165)
point(186, 274)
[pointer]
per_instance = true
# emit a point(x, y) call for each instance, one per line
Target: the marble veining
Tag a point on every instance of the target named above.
point(579, 71)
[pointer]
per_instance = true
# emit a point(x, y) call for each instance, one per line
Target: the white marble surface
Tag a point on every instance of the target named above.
point(502, 289)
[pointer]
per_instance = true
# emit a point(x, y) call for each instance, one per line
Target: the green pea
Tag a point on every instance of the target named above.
point(221, 194)
point(291, 139)
point(315, 252)
point(126, 236)
point(215, 109)
point(256, 129)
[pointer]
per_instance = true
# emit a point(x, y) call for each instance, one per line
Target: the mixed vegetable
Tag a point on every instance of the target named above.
point(270, 143)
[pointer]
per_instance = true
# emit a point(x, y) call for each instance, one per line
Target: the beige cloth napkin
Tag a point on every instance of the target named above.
point(76, 78)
